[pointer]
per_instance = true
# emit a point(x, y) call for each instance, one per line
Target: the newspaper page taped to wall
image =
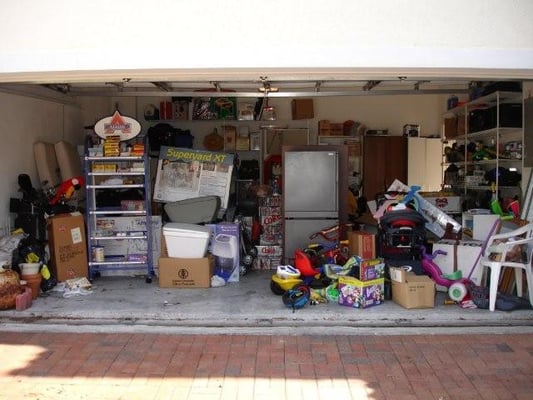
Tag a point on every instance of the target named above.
point(184, 173)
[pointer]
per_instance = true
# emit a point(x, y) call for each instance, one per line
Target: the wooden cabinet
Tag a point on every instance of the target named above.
point(384, 160)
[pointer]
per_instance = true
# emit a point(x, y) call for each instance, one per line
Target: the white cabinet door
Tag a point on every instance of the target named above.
point(424, 166)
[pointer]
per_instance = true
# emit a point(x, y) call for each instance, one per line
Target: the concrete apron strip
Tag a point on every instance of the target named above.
point(140, 328)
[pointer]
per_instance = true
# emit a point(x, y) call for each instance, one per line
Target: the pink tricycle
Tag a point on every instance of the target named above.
point(457, 288)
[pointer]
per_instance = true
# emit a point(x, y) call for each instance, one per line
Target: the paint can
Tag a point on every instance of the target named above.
point(98, 253)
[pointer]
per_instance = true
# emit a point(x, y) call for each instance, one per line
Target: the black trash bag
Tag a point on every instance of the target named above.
point(48, 284)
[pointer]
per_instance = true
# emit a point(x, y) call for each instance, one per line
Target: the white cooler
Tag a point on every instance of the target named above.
point(186, 240)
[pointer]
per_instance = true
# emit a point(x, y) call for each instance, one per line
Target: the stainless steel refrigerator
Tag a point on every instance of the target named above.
point(314, 192)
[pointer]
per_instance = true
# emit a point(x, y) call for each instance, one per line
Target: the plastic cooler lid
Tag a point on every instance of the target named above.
point(184, 229)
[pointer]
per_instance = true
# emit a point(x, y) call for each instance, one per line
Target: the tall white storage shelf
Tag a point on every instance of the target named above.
point(103, 173)
point(500, 132)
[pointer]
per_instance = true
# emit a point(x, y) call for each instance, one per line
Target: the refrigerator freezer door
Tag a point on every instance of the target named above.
point(297, 232)
point(310, 184)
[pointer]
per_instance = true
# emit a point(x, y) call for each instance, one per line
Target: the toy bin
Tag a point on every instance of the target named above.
point(186, 240)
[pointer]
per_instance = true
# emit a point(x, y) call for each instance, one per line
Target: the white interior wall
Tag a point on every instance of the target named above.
point(24, 121)
point(100, 38)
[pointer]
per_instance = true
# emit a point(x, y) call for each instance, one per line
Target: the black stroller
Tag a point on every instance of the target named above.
point(400, 234)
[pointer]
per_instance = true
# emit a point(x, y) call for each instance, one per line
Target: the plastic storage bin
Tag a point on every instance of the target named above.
point(186, 240)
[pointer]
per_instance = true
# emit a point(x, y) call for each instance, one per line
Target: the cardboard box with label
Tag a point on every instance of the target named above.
point(362, 244)
point(183, 273)
point(358, 294)
point(410, 290)
point(443, 201)
point(370, 269)
point(224, 245)
point(68, 246)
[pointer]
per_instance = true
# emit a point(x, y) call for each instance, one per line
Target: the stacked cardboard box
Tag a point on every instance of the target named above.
point(367, 288)
point(112, 146)
point(362, 244)
point(360, 294)
point(271, 238)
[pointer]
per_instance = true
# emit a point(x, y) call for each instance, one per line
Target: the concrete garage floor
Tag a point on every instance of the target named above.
point(248, 307)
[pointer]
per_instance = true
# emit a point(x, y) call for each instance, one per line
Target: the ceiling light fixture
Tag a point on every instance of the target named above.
point(267, 87)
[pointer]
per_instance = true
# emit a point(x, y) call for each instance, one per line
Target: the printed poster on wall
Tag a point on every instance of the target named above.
point(184, 173)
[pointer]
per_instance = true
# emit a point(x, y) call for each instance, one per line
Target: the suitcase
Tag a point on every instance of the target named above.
point(197, 210)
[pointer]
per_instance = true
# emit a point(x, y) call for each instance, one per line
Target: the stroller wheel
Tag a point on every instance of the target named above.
point(252, 251)
point(248, 260)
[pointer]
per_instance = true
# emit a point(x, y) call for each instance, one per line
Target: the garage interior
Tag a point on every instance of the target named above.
point(51, 101)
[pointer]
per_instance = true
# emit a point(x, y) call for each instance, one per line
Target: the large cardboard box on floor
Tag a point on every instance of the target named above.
point(410, 290)
point(68, 246)
point(183, 273)
point(358, 294)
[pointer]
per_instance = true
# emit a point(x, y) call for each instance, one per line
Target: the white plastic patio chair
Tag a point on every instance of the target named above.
point(495, 256)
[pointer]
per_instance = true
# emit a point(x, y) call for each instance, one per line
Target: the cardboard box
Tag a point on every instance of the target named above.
point(266, 263)
point(302, 109)
point(224, 245)
point(269, 251)
point(324, 128)
point(362, 244)
point(132, 205)
point(450, 127)
point(243, 143)
point(371, 269)
point(230, 138)
point(358, 294)
point(448, 204)
point(183, 273)
point(410, 290)
point(68, 246)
